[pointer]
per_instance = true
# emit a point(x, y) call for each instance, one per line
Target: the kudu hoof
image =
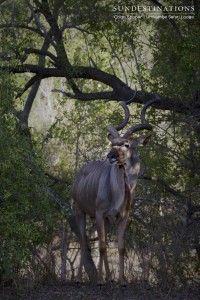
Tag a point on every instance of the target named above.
point(123, 287)
point(100, 285)
point(110, 280)
point(78, 283)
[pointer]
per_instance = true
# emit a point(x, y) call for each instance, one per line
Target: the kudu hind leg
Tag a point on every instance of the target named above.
point(81, 222)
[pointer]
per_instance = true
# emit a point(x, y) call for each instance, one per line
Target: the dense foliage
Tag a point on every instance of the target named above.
point(26, 217)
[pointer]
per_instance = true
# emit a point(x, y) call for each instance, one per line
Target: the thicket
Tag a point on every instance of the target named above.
point(26, 213)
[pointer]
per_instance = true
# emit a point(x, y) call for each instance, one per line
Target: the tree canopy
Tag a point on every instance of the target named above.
point(72, 45)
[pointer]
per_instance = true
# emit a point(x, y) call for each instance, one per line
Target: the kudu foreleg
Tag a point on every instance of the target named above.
point(102, 248)
point(121, 248)
point(106, 264)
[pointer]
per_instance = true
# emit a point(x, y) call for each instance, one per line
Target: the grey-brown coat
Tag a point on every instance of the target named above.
point(104, 190)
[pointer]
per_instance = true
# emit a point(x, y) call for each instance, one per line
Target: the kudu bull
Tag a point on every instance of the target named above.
point(105, 190)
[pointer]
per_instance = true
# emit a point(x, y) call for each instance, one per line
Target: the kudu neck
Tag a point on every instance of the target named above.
point(132, 168)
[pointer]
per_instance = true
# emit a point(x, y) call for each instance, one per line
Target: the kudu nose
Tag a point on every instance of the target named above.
point(112, 156)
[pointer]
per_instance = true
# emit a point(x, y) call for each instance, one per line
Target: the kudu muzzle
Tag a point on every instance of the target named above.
point(112, 156)
point(117, 156)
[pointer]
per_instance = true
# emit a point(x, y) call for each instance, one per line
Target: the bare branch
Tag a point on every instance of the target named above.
point(23, 117)
point(117, 57)
point(190, 208)
point(121, 92)
point(30, 83)
point(39, 26)
point(86, 96)
point(21, 26)
point(40, 52)
point(35, 83)
point(137, 66)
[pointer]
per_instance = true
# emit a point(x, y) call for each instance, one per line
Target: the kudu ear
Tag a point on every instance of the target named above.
point(140, 141)
point(110, 137)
